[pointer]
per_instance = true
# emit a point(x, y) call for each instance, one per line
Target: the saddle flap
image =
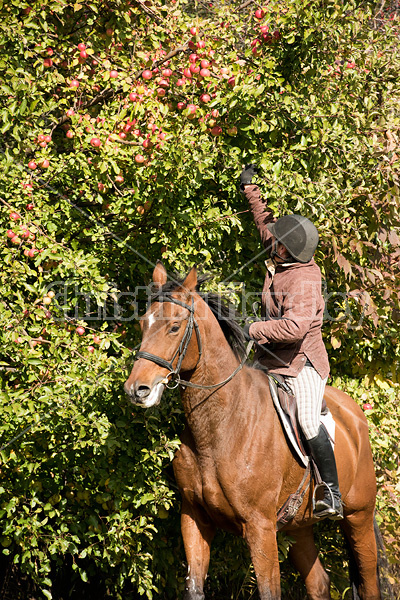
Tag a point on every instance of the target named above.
point(288, 404)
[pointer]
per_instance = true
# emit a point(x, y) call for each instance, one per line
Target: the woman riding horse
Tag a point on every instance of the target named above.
point(292, 310)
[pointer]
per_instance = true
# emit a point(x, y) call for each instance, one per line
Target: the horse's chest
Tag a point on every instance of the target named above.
point(220, 505)
point(201, 483)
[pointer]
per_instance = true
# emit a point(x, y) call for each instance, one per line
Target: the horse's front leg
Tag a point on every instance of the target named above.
point(260, 535)
point(197, 533)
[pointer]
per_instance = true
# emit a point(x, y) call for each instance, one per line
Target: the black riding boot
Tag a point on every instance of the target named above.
point(321, 450)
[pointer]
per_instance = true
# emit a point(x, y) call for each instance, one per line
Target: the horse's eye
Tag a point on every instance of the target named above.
point(174, 328)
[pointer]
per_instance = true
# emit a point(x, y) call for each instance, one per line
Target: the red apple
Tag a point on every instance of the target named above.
point(216, 130)
point(113, 74)
point(367, 406)
point(193, 58)
point(205, 64)
point(187, 73)
point(96, 339)
point(259, 14)
point(205, 73)
point(32, 252)
point(32, 165)
point(201, 44)
point(80, 330)
point(205, 97)
point(180, 82)
point(70, 134)
point(16, 240)
point(194, 69)
point(74, 83)
point(139, 158)
point(30, 206)
point(194, 30)
point(161, 92)
point(191, 108)
point(91, 349)
point(81, 46)
point(95, 142)
point(119, 179)
point(10, 234)
point(147, 74)
point(83, 54)
point(44, 164)
point(70, 112)
point(47, 62)
point(14, 216)
point(180, 105)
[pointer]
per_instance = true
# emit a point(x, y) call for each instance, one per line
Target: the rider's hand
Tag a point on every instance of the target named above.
point(247, 174)
point(246, 334)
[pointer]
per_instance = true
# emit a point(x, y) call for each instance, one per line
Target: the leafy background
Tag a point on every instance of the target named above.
point(101, 180)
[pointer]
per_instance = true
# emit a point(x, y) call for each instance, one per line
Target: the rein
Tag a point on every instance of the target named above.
point(181, 352)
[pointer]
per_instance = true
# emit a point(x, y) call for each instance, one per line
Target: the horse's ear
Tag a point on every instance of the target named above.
point(159, 274)
point(190, 283)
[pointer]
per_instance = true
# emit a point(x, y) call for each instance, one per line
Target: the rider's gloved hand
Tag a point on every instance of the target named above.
point(246, 332)
point(247, 175)
point(268, 347)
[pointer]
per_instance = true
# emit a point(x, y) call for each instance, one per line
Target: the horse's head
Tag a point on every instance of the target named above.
point(168, 345)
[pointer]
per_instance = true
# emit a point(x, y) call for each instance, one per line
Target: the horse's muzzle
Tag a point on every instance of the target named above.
point(144, 395)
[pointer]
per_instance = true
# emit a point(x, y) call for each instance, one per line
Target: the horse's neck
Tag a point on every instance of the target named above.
point(208, 411)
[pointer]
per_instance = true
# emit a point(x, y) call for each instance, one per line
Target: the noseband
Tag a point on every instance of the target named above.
point(181, 351)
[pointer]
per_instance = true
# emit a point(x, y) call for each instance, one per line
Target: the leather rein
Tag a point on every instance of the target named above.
point(182, 349)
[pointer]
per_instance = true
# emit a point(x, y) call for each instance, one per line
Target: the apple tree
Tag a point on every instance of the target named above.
point(125, 126)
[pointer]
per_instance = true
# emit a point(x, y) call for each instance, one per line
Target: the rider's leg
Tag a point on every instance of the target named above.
point(321, 450)
point(308, 388)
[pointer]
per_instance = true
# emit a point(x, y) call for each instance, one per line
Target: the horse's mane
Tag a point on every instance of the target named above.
point(225, 313)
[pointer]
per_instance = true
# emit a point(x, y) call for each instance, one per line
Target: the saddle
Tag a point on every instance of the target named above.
point(286, 406)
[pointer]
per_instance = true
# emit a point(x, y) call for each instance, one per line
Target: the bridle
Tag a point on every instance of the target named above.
point(183, 345)
point(182, 349)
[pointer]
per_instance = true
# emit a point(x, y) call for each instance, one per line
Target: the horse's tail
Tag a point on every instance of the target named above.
point(383, 568)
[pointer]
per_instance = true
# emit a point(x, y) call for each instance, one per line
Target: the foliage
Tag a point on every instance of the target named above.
point(104, 173)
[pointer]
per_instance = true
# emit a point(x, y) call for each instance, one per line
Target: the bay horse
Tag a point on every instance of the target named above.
point(234, 468)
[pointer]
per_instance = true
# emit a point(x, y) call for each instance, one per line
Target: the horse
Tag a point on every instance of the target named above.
point(234, 468)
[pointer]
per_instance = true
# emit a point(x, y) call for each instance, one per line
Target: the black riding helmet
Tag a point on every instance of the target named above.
point(297, 234)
